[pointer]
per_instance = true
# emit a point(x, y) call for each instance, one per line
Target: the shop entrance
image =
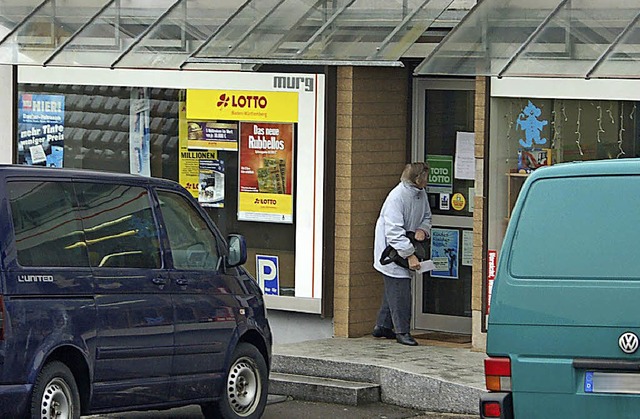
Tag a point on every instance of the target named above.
point(443, 135)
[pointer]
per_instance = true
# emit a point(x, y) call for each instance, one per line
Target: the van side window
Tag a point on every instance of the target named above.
point(193, 245)
point(47, 226)
point(119, 225)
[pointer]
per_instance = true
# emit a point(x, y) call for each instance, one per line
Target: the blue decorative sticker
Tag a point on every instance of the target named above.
point(528, 122)
point(588, 382)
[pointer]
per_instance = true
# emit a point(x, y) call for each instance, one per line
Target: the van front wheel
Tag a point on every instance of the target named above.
point(245, 387)
point(55, 394)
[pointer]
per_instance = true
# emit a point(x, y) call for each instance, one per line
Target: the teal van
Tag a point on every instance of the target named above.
point(562, 337)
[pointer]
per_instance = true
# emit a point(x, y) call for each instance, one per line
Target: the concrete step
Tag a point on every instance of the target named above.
point(348, 371)
point(426, 391)
point(320, 389)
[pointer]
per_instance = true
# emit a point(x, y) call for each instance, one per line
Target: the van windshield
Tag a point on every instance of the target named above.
point(583, 227)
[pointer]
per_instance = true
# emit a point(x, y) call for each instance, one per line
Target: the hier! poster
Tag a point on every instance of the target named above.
point(41, 130)
point(266, 172)
point(445, 252)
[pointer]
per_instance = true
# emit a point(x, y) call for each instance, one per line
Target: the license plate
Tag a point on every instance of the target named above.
point(611, 382)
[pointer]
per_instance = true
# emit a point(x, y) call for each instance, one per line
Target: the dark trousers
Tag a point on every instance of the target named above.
point(395, 312)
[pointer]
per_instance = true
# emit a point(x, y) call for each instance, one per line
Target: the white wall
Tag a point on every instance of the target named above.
point(6, 113)
point(290, 327)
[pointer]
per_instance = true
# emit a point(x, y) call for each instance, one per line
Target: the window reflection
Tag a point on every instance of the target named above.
point(47, 228)
point(193, 245)
point(119, 226)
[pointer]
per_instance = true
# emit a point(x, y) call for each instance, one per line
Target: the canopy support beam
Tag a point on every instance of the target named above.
point(216, 32)
point(531, 37)
point(611, 46)
point(144, 33)
point(76, 33)
point(19, 25)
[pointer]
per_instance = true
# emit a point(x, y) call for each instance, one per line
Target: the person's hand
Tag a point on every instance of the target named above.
point(420, 235)
point(414, 263)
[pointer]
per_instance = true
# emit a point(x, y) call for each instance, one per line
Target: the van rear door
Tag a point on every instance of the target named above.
point(565, 302)
point(48, 290)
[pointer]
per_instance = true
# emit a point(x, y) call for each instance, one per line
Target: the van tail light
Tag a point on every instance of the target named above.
point(491, 410)
point(497, 373)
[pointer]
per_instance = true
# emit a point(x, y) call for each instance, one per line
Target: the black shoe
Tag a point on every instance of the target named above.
point(383, 332)
point(406, 339)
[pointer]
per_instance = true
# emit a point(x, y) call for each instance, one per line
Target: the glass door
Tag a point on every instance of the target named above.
point(443, 136)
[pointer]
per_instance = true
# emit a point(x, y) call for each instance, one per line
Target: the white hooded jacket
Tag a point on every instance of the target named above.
point(405, 209)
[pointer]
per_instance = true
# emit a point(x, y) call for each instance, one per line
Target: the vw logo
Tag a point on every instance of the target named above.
point(628, 342)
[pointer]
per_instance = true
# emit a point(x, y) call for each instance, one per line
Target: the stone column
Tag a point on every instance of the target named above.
point(371, 151)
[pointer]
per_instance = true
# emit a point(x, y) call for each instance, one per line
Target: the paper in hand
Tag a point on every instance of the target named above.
point(425, 266)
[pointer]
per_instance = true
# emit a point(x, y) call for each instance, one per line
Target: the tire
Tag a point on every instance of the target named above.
point(55, 394)
point(245, 388)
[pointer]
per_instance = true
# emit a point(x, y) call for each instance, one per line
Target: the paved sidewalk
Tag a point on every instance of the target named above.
point(432, 376)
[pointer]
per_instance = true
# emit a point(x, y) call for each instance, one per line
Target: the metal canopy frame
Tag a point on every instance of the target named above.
point(470, 50)
point(348, 32)
point(523, 46)
point(612, 46)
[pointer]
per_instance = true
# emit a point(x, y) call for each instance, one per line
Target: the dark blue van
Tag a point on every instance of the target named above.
point(118, 292)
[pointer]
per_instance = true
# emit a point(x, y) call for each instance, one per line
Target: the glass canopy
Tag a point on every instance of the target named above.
point(545, 38)
point(190, 33)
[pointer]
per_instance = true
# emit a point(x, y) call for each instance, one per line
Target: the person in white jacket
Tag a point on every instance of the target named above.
point(406, 208)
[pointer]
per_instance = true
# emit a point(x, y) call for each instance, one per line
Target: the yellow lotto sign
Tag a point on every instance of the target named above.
point(242, 105)
point(266, 203)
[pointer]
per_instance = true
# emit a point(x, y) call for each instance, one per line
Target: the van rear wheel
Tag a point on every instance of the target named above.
point(245, 387)
point(55, 394)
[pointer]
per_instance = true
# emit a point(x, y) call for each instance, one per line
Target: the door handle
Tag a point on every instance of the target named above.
point(159, 281)
point(182, 282)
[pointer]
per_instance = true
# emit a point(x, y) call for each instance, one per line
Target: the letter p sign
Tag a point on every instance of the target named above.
point(268, 274)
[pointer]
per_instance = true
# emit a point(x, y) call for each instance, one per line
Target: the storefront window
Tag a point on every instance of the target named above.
point(95, 128)
point(137, 130)
point(548, 131)
point(527, 133)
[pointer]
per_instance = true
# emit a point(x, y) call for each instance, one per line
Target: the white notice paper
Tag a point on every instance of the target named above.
point(465, 162)
point(425, 266)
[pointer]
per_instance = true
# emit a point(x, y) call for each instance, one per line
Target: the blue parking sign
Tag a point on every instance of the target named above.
point(268, 274)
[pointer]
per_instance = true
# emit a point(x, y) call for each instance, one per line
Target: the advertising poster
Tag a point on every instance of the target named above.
point(440, 174)
point(139, 158)
point(445, 252)
point(41, 130)
point(191, 162)
point(211, 186)
point(492, 265)
point(210, 135)
point(266, 172)
point(467, 247)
